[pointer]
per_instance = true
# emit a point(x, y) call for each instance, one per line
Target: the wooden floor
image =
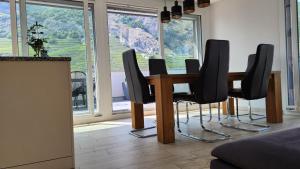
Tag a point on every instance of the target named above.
point(108, 145)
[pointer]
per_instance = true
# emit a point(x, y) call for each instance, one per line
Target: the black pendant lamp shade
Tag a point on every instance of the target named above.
point(176, 11)
point(203, 3)
point(165, 15)
point(188, 6)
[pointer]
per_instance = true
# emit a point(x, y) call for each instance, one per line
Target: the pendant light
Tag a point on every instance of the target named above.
point(188, 6)
point(203, 3)
point(165, 15)
point(176, 11)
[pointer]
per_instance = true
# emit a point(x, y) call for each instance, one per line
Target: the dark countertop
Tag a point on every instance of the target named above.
point(35, 59)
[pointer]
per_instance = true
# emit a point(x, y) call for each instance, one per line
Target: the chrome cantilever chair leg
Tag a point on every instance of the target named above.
point(223, 135)
point(250, 114)
point(187, 113)
point(262, 127)
point(210, 113)
point(135, 134)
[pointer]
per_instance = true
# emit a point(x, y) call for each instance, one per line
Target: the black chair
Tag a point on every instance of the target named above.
point(137, 86)
point(79, 88)
point(158, 66)
point(193, 67)
point(212, 85)
point(255, 84)
point(251, 61)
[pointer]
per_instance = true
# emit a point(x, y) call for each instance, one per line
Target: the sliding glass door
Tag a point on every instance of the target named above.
point(130, 29)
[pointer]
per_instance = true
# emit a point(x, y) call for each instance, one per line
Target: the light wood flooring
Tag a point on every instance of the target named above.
point(107, 145)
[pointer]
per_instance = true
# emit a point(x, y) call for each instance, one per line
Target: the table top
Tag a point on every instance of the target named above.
point(186, 78)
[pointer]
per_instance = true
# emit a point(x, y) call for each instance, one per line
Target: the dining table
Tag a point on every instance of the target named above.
point(165, 106)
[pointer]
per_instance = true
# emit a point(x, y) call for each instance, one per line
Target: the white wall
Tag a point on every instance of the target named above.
point(246, 23)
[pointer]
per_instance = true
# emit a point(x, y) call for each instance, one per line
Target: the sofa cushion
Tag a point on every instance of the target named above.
point(279, 150)
point(219, 164)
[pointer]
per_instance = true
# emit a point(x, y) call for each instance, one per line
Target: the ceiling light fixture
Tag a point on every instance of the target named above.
point(165, 15)
point(203, 3)
point(188, 6)
point(176, 11)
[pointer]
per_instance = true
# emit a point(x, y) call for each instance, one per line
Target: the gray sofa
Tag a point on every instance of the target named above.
point(279, 150)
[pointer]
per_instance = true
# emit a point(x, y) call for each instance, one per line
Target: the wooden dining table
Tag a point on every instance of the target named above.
point(165, 109)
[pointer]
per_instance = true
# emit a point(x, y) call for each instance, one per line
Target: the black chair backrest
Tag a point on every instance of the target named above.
point(137, 84)
point(213, 82)
point(157, 67)
point(255, 84)
point(192, 67)
point(251, 60)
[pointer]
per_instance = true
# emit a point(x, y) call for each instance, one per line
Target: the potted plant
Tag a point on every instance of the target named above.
point(36, 40)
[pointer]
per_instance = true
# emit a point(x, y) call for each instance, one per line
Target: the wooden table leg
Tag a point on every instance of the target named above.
point(164, 110)
point(137, 115)
point(231, 102)
point(274, 100)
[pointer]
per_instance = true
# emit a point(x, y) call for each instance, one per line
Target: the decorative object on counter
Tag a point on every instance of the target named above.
point(165, 15)
point(176, 11)
point(36, 40)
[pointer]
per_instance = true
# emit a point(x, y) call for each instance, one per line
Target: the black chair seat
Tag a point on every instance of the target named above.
point(236, 93)
point(179, 96)
point(149, 99)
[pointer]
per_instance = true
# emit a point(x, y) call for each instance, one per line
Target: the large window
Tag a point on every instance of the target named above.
point(5, 29)
point(130, 30)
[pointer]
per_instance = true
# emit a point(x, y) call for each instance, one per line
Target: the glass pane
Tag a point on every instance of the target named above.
point(130, 30)
point(65, 35)
point(5, 29)
point(179, 43)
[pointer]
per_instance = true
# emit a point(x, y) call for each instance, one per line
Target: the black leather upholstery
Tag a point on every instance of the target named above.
point(220, 164)
point(212, 85)
point(237, 92)
point(255, 84)
point(158, 66)
point(213, 82)
point(137, 84)
point(251, 61)
point(192, 67)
